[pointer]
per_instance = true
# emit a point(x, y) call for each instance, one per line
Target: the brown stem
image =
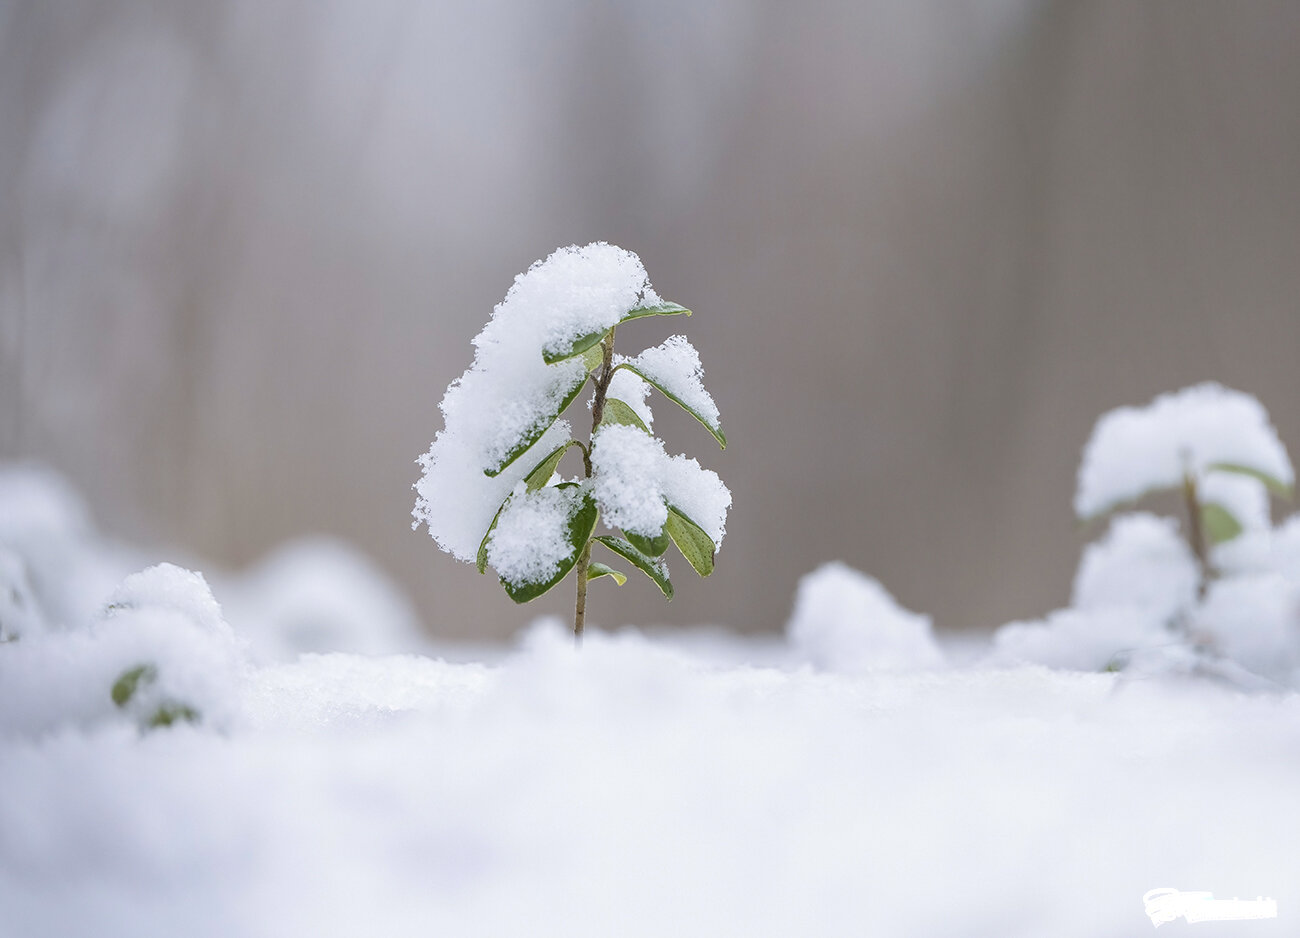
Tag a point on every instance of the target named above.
point(597, 412)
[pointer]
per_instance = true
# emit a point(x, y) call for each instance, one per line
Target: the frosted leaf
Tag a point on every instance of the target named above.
point(699, 494)
point(846, 621)
point(675, 366)
point(628, 387)
point(509, 392)
point(531, 538)
point(632, 478)
point(1133, 451)
point(1142, 563)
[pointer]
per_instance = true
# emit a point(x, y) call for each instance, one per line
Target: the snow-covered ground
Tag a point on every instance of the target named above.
point(852, 778)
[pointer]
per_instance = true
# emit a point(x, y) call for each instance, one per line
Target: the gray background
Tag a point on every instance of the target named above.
point(244, 247)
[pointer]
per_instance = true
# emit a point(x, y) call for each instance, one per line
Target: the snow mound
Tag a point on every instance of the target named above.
point(164, 626)
point(846, 621)
point(1072, 639)
point(509, 393)
point(1254, 620)
point(1133, 451)
point(1142, 563)
point(320, 594)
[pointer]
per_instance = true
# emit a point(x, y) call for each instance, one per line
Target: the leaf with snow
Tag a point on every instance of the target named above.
point(542, 423)
point(674, 368)
point(539, 537)
point(1134, 451)
point(695, 545)
point(656, 570)
point(661, 308)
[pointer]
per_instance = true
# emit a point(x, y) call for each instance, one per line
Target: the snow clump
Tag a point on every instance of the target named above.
point(1141, 564)
point(1134, 451)
point(531, 537)
point(674, 365)
point(634, 481)
point(845, 621)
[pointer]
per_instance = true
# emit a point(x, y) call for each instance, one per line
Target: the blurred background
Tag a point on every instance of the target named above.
point(244, 245)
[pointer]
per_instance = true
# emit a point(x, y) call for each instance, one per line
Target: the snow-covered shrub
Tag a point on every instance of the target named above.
point(1214, 446)
point(159, 653)
point(1224, 599)
point(176, 658)
point(846, 621)
point(491, 492)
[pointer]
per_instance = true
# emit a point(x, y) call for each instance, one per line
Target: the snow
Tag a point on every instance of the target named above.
point(675, 366)
point(845, 621)
point(1143, 563)
point(1134, 451)
point(627, 386)
point(510, 392)
point(531, 538)
point(854, 778)
point(634, 480)
point(635, 789)
point(320, 594)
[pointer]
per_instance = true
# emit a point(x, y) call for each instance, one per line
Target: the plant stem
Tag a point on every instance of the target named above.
point(1196, 534)
point(597, 412)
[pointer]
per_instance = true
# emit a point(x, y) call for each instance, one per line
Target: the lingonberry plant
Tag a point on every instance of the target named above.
point(1213, 446)
point(491, 492)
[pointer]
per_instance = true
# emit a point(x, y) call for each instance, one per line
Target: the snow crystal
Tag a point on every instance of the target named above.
point(675, 366)
point(628, 387)
point(846, 621)
point(1142, 563)
point(509, 392)
point(633, 480)
point(1133, 451)
point(531, 538)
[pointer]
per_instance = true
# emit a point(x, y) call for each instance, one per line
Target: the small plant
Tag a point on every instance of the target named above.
point(1214, 447)
point(491, 492)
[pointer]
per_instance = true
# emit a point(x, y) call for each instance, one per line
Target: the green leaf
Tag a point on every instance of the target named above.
point(1220, 525)
point(540, 427)
point(581, 526)
point(696, 546)
point(481, 560)
point(594, 357)
point(714, 429)
point(597, 570)
point(170, 713)
point(125, 687)
point(579, 345)
point(540, 474)
point(655, 309)
point(618, 412)
point(650, 546)
point(1272, 483)
point(656, 570)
